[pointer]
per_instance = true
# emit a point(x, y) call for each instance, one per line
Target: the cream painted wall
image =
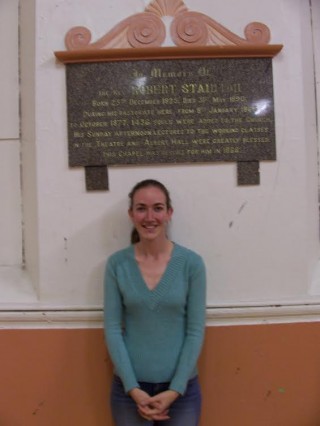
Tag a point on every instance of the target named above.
point(270, 252)
point(10, 215)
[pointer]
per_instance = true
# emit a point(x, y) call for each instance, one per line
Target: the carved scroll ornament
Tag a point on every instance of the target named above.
point(187, 28)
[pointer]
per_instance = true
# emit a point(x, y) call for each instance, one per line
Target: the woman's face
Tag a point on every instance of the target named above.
point(149, 213)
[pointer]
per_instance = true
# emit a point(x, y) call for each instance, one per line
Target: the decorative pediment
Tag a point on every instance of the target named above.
point(148, 29)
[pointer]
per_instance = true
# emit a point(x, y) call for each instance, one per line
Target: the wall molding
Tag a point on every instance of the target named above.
point(49, 318)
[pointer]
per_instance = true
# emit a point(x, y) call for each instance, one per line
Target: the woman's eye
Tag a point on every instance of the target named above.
point(158, 208)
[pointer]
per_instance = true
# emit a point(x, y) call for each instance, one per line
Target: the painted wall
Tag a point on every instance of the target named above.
point(10, 217)
point(67, 233)
point(251, 375)
point(54, 237)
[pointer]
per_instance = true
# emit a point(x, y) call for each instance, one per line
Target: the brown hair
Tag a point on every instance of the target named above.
point(144, 184)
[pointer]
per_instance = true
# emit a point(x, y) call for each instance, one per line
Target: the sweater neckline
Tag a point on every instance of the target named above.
point(152, 297)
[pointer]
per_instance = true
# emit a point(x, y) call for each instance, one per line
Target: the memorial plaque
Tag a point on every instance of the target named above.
point(171, 111)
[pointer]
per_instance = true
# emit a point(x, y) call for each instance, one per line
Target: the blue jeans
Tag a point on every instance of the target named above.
point(185, 411)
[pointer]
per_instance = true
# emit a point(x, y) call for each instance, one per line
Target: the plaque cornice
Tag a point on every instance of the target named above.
point(201, 52)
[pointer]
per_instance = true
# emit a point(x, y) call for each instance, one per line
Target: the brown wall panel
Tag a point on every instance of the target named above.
point(258, 375)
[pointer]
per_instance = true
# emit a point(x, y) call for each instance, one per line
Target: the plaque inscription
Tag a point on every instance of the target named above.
point(171, 111)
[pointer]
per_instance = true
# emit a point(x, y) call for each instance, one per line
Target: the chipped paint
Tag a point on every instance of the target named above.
point(40, 405)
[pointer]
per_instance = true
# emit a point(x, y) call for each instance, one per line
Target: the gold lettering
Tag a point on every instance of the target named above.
point(179, 142)
point(156, 143)
point(94, 114)
point(186, 111)
point(259, 119)
point(208, 120)
point(103, 93)
point(119, 122)
point(91, 134)
point(164, 111)
point(170, 101)
point(155, 89)
point(185, 121)
point(231, 150)
point(110, 144)
point(86, 124)
point(99, 103)
point(255, 140)
point(233, 87)
point(190, 131)
point(188, 100)
point(201, 141)
point(159, 73)
point(255, 130)
point(162, 122)
point(226, 140)
point(203, 131)
point(217, 99)
point(78, 134)
point(140, 122)
point(225, 110)
point(199, 88)
point(238, 99)
point(231, 120)
point(144, 101)
point(224, 131)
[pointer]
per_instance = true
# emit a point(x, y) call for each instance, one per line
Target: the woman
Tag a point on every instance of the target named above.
point(154, 318)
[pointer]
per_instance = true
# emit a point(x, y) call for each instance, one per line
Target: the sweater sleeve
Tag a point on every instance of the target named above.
point(195, 326)
point(113, 328)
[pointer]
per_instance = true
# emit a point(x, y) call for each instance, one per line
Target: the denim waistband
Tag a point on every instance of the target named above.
point(154, 388)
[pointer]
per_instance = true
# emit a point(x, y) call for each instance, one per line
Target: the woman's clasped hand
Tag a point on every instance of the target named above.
point(153, 407)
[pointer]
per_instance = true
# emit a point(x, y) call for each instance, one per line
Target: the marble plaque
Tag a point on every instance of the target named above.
point(172, 111)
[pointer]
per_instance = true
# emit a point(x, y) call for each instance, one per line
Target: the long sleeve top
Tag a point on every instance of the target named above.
point(155, 335)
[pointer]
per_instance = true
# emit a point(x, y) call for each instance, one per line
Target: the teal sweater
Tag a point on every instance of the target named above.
point(155, 335)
